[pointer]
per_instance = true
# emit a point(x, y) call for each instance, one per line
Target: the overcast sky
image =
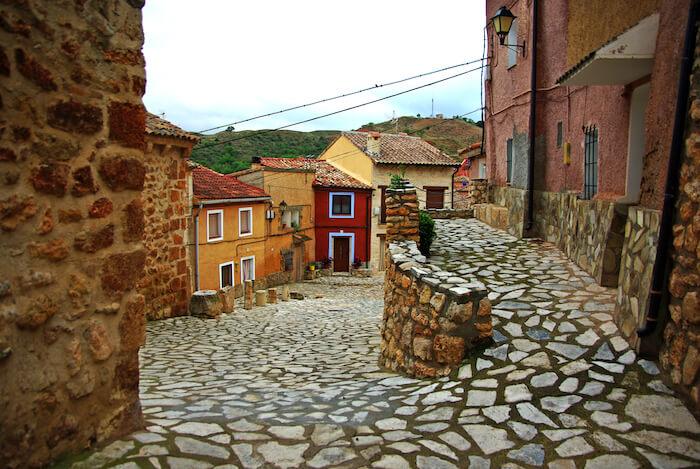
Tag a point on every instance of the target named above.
point(211, 62)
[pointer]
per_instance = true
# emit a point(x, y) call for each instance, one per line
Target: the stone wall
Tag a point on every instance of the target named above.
point(514, 200)
point(167, 206)
point(680, 354)
point(636, 266)
point(431, 317)
point(589, 232)
point(448, 213)
point(475, 192)
point(71, 175)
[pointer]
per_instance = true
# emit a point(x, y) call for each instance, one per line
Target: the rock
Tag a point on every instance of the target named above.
point(331, 457)
point(611, 460)
point(662, 411)
point(489, 439)
point(283, 456)
point(529, 454)
point(576, 446)
point(206, 304)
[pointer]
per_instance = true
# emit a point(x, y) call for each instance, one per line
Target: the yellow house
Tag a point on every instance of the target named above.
point(373, 157)
point(230, 230)
point(290, 240)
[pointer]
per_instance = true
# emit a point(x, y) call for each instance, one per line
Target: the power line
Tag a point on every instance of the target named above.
point(345, 95)
point(261, 132)
point(356, 151)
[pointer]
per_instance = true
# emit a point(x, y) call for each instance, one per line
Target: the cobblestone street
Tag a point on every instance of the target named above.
point(297, 384)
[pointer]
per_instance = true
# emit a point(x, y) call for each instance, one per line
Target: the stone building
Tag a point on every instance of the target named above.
point(579, 130)
point(166, 206)
point(72, 174)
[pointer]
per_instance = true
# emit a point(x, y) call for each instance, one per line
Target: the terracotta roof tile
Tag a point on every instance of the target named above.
point(210, 185)
point(161, 128)
point(401, 149)
point(326, 174)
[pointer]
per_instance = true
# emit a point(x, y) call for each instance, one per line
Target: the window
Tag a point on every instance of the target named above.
point(482, 170)
point(215, 225)
point(509, 160)
point(512, 39)
point(226, 275)
point(291, 217)
point(434, 197)
point(342, 204)
point(590, 162)
point(560, 134)
point(245, 221)
point(382, 205)
point(247, 268)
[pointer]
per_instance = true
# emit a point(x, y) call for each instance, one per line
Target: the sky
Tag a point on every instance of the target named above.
point(215, 62)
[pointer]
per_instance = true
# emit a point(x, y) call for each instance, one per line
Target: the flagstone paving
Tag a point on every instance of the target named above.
point(296, 384)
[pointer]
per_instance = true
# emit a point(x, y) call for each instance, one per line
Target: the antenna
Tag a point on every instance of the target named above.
point(432, 107)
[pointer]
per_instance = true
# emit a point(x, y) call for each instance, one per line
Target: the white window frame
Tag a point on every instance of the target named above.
point(233, 273)
point(330, 204)
point(247, 258)
point(342, 235)
point(221, 225)
point(250, 211)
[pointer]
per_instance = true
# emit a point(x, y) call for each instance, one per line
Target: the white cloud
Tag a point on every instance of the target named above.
point(212, 62)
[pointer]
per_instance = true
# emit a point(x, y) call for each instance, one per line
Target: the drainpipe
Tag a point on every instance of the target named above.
point(452, 189)
point(533, 107)
point(196, 246)
point(661, 262)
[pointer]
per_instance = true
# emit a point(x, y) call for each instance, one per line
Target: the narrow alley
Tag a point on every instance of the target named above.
point(296, 384)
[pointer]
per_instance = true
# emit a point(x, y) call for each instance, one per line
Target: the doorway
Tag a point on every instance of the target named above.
point(341, 254)
point(298, 263)
point(635, 150)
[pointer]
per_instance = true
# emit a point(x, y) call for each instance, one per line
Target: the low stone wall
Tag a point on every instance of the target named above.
point(589, 232)
point(431, 317)
point(469, 192)
point(492, 215)
point(514, 201)
point(447, 213)
point(638, 254)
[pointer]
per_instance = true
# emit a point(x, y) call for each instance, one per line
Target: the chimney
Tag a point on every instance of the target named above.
point(373, 140)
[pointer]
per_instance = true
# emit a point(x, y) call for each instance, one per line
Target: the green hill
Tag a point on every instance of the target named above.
point(449, 135)
point(236, 155)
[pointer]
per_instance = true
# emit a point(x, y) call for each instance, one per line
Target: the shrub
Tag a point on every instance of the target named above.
point(426, 228)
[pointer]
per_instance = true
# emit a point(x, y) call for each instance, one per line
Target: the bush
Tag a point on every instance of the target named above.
point(426, 228)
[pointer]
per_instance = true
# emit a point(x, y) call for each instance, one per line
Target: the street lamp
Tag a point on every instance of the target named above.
point(502, 22)
point(283, 206)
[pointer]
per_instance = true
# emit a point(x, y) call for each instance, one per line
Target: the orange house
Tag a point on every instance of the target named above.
point(229, 231)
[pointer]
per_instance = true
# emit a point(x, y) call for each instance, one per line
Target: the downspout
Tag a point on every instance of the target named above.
point(661, 262)
point(196, 247)
point(452, 188)
point(533, 120)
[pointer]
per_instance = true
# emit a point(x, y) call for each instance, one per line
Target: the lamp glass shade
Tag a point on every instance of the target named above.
point(502, 21)
point(283, 206)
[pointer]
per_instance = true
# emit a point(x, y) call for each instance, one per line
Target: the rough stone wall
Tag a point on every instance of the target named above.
point(589, 232)
point(166, 205)
point(71, 171)
point(475, 192)
point(636, 266)
point(680, 354)
point(448, 213)
point(514, 200)
point(431, 317)
point(402, 214)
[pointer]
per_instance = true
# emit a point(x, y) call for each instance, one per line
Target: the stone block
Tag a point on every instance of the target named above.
point(206, 304)
point(260, 298)
point(295, 295)
point(284, 293)
point(248, 295)
point(228, 299)
point(423, 347)
point(449, 350)
point(272, 296)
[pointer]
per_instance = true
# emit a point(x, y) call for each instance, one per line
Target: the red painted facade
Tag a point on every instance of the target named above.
point(606, 107)
point(358, 225)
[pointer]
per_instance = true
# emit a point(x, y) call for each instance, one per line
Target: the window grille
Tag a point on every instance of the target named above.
point(590, 162)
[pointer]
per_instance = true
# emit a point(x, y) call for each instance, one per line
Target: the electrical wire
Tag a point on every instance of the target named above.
point(261, 132)
point(345, 95)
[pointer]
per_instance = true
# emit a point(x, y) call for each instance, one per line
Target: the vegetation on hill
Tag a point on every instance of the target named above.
point(449, 135)
point(236, 155)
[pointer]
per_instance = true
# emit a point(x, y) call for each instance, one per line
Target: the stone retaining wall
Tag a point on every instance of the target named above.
point(680, 355)
point(447, 213)
point(638, 254)
point(504, 210)
point(469, 192)
point(431, 317)
point(589, 232)
point(72, 129)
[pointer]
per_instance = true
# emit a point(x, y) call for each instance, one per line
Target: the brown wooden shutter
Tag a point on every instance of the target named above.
point(382, 210)
point(435, 197)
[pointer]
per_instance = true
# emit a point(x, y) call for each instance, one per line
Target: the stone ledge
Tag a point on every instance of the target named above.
point(449, 213)
point(431, 317)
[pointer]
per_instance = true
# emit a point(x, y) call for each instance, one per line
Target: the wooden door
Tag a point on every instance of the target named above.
point(341, 254)
point(435, 197)
point(298, 262)
point(382, 252)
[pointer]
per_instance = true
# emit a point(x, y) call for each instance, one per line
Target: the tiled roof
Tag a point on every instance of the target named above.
point(401, 149)
point(162, 128)
point(210, 185)
point(326, 174)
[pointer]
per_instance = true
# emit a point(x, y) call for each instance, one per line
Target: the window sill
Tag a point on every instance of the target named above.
point(214, 240)
point(243, 235)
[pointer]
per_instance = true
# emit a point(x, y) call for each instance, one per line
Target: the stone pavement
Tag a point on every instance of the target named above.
point(296, 384)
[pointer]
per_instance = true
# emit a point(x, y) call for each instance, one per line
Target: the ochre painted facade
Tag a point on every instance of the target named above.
point(233, 247)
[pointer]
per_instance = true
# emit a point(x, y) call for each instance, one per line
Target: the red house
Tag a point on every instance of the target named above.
point(343, 217)
point(342, 212)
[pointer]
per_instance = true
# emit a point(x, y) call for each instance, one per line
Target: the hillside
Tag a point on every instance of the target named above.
point(449, 135)
point(236, 155)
